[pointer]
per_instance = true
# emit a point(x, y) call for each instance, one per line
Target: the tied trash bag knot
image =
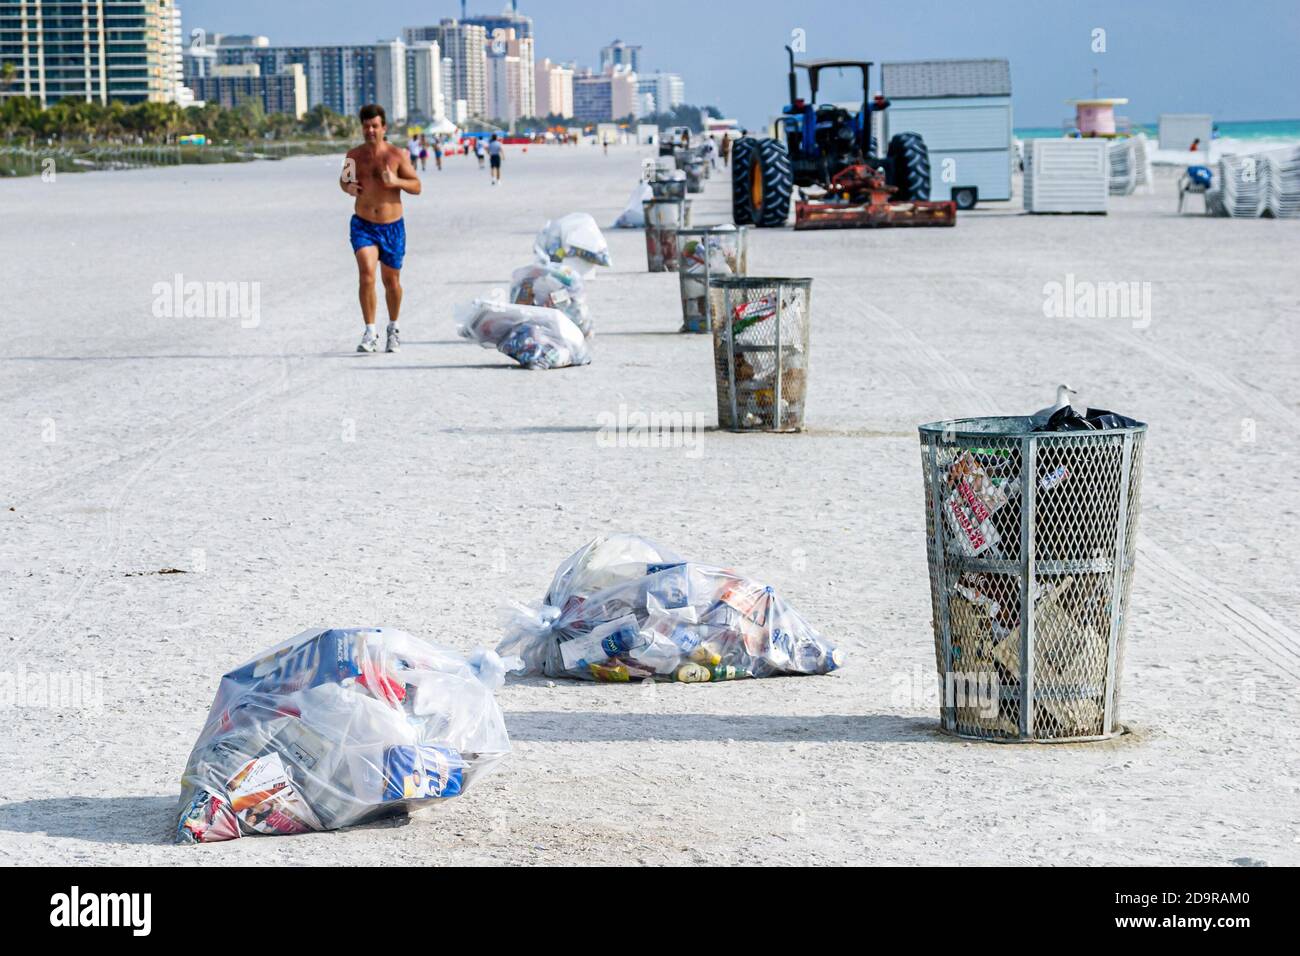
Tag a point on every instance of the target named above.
point(529, 627)
point(491, 668)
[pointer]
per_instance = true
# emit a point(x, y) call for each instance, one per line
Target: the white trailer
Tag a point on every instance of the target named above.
point(962, 109)
point(1179, 130)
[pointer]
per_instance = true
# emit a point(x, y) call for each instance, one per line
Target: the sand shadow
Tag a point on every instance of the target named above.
point(597, 727)
point(675, 332)
point(135, 820)
point(422, 368)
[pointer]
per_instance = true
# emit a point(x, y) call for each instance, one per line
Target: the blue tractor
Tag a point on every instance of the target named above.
point(828, 154)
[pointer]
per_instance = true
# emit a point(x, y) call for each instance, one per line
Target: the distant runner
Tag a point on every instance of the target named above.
point(377, 174)
point(478, 150)
point(494, 158)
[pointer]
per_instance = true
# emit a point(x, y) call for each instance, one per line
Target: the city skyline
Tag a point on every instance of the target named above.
point(1227, 74)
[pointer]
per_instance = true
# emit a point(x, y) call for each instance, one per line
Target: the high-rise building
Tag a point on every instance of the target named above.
point(522, 25)
point(603, 97)
point(622, 54)
point(463, 45)
point(666, 89)
point(424, 75)
point(231, 85)
point(511, 87)
point(344, 78)
point(554, 85)
point(240, 39)
point(93, 50)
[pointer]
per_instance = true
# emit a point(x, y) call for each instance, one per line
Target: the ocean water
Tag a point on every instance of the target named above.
point(1235, 136)
point(1284, 130)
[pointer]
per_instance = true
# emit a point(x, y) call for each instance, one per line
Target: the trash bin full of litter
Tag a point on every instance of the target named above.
point(663, 217)
point(760, 351)
point(695, 175)
point(702, 254)
point(1031, 540)
point(672, 188)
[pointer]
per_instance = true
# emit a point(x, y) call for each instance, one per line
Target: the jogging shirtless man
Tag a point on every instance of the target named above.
point(377, 174)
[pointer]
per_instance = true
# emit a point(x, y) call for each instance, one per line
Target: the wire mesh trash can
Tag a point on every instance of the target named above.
point(663, 217)
point(695, 175)
point(703, 254)
point(1031, 540)
point(760, 351)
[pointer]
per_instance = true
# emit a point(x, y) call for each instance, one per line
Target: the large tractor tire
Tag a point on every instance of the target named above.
point(742, 154)
point(771, 184)
point(911, 162)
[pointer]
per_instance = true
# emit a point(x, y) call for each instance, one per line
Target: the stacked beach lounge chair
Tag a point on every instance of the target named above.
point(1259, 184)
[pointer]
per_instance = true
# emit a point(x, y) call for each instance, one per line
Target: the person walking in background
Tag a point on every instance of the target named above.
point(413, 149)
point(437, 153)
point(494, 158)
point(424, 153)
point(478, 150)
point(726, 150)
point(376, 174)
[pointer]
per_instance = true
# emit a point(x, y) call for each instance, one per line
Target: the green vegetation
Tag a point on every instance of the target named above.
point(81, 135)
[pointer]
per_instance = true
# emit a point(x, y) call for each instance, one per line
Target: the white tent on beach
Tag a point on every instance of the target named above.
point(441, 127)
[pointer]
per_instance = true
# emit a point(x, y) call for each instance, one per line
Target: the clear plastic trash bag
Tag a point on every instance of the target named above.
point(339, 726)
point(550, 285)
point(624, 609)
point(533, 336)
point(633, 215)
point(575, 240)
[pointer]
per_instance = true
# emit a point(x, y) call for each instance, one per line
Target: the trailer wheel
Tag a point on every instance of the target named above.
point(911, 167)
point(771, 184)
point(742, 154)
point(965, 196)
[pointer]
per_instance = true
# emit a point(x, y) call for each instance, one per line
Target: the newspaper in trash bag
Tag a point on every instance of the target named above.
point(575, 240)
point(623, 609)
point(339, 726)
point(552, 286)
point(533, 336)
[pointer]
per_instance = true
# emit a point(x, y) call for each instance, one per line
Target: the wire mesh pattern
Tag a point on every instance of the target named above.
point(668, 188)
point(1022, 520)
point(702, 254)
point(663, 217)
point(760, 351)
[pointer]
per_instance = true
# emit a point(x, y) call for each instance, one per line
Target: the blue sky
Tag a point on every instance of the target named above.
point(1164, 55)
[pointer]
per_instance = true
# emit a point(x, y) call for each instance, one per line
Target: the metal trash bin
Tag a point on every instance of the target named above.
point(695, 175)
point(669, 188)
point(1061, 543)
point(663, 217)
point(760, 351)
point(702, 254)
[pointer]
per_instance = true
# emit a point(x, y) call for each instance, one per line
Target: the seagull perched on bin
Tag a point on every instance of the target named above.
point(1063, 393)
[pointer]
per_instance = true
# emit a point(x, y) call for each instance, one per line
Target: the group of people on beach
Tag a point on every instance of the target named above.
point(376, 174)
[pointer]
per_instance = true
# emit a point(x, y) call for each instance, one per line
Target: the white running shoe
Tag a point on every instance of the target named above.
point(369, 341)
point(394, 341)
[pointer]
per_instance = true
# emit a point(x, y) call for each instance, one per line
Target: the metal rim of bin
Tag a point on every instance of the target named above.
point(1022, 429)
point(742, 233)
point(759, 282)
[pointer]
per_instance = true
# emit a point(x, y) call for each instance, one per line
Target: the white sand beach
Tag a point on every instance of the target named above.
point(298, 483)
